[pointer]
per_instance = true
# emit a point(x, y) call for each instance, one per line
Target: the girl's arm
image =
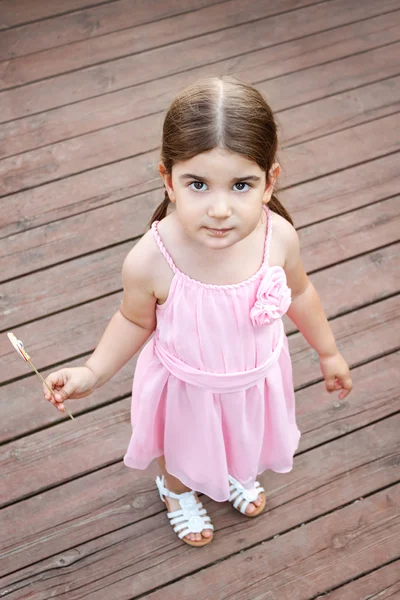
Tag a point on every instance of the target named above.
point(125, 334)
point(131, 325)
point(307, 313)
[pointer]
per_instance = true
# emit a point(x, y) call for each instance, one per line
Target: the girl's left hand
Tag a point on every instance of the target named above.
point(336, 374)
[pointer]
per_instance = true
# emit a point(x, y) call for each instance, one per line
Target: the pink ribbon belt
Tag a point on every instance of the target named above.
point(217, 382)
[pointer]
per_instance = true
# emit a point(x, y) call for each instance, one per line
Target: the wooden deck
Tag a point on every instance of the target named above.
point(83, 87)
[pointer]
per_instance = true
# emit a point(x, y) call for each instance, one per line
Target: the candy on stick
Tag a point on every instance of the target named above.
point(19, 346)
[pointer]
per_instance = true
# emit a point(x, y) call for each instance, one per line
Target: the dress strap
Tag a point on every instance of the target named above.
point(267, 236)
point(162, 248)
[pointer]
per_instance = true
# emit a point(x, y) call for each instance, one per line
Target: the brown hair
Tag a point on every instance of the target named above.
point(219, 112)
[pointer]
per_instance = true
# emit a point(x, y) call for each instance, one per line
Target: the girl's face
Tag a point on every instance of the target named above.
point(219, 196)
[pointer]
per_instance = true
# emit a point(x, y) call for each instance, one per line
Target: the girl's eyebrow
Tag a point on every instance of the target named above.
point(199, 178)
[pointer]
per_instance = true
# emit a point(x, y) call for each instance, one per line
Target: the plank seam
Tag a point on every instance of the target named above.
point(199, 66)
point(68, 12)
point(49, 487)
point(277, 112)
point(163, 46)
point(250, 547)
point(344, 91)
point(338, 437)
point(160, 188)
point(346, 260)
point(124, 88)
point(151, 150)
point(346, 212)
point(156, 20)
point(266, 540)
point(124, 397)
point(318, 137)
point(360, 576)
point(119, 290)
point(125, 241)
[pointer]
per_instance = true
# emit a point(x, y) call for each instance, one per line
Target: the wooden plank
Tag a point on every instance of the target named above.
point(379, 319)
point(323, 479)
point(308, 202)
point(357, 144)
point(73, 238)
point(131, 103)
point(341, 111)
point(336, 193)
point(342, 288)
point(17, 12)
point(305, 562)
point(87, 23)
point(384, 583)
point(128, 216)
point(301, 163)
point(376, 333)
point(97, 274)
point(346, 74)
point(321, 417)
point(141, 135)
point(24, 411)
point(178, 57)
point(353, 233)
point(139, 38)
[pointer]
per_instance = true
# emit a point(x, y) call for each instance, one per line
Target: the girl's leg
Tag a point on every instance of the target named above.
point(175, 485)
point(172, 483)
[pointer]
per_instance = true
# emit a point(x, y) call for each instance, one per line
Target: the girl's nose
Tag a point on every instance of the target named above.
point(219, 209)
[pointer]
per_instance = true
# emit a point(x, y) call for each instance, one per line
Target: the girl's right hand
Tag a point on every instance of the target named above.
point(76, 382)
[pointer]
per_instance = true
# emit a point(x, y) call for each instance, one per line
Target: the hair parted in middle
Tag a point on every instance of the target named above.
point(219, 112)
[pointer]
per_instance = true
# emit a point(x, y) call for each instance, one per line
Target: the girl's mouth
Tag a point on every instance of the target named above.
point(218, 232)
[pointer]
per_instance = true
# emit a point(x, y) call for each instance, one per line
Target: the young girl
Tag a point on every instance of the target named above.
point(213, 397)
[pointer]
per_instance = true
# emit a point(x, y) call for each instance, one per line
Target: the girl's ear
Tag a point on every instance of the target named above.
point(167, 178)
point(272, 177)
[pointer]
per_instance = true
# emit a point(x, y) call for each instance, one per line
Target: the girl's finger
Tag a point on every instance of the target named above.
point(347, 386)
point(330, 384)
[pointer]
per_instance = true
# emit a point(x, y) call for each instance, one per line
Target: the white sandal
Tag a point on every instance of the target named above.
point(238, 494)
point(189, 519)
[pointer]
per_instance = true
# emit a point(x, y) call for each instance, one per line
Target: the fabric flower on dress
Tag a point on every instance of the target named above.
point(273, 297)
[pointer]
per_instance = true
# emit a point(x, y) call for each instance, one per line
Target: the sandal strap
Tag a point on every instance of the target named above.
point(191, 517)
point(238, 494)
point(163, 491)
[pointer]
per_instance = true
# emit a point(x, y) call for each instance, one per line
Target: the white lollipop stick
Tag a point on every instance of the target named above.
point(18, 345)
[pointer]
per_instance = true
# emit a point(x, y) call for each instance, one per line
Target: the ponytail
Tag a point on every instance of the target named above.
point(278, 208)
point(161, 210)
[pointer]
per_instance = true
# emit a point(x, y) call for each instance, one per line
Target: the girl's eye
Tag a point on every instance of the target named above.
point(241, 185)
point(200, 186)
point(197, 186)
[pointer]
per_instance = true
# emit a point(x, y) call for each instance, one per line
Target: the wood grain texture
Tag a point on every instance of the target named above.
point(16, 12)
point(342, 289)
point(301, 163)
point(308, 560)
point(79, 139)
point(22, 461)
point(384, 583)
point(98, 271)
point(178, 57)
point(86, 23)
point(324, 478)
point(118, 142)
point(138, 101)
point(186, 25)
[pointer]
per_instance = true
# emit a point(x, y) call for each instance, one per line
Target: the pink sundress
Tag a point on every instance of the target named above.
point(213, 388)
